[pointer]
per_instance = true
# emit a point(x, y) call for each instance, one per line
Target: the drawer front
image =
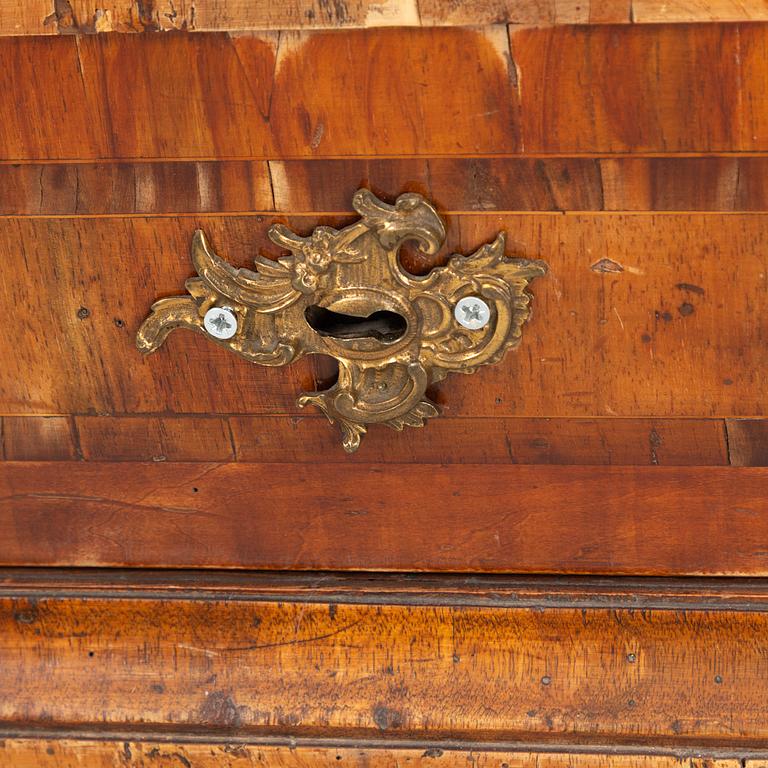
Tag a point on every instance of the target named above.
point(193, 571)
point(628, 157)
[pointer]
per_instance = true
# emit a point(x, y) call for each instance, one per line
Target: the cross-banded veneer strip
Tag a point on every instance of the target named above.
point(482, 185)
point(693, 442)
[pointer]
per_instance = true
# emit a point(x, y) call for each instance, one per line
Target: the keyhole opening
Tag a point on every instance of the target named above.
point(381, 325)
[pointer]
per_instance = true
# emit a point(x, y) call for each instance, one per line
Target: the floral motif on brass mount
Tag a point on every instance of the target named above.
point(344, 293)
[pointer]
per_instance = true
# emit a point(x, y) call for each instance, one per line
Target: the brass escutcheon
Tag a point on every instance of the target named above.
point(344, 293)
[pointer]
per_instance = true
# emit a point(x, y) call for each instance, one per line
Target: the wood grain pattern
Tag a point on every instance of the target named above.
point(676, 442)
point(598, 676)
point(453, 184)
point(39, 438)
point(155, 438)
point(72, 753)
point(722, 183)
point(748, 442)
point(527, 184)
point(490, 441)
point(28, 18)
point(80, 342)
point(145, 504)
point(486, 518)
point(37, 17)
point(240, 100)
point(641, 88)
point(673, 442)
point(396, 92)
point(304, 438)
point(657, 11)
point(525, 12)
point(636, 309)
point(220, 86)
point(630, 320)
point(518, 184)
point(542, 12)
point(109, 188)
point(90, 17)
point(326, 186)
point(400, 93)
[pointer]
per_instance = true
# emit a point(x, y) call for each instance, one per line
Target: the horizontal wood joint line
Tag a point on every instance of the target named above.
point(385, 749)
point(706, 594)
point(307, 214)
point(381, 751)
point(382, 157)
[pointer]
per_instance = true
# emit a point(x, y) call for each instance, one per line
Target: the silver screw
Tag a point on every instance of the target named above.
point(220, 322)
point(472, 312)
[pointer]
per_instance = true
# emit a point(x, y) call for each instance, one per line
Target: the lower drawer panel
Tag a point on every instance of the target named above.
point(387, 661)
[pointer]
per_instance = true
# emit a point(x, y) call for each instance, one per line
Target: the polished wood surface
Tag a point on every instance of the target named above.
point(349, 667)
point(712, 183)
point(303, 438)
point(748, 442)
point(683, 442)
point(621, 451)
point(453, 517)
point(634, 310)
point(72, 753)
point(71, 189)
point(474, 185)
point(392, 92)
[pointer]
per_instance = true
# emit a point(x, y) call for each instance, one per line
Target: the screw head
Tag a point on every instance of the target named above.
point(472, 312)
point(220, 322)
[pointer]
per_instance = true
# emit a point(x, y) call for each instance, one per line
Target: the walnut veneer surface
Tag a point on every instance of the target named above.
point(565, 570)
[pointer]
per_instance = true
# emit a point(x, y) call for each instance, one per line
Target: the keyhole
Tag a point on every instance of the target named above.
point(381, 325)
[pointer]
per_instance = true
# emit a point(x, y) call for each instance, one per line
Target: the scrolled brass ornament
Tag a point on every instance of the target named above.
point(344, 293)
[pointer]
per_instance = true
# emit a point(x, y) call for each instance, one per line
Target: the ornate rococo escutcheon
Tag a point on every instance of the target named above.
point(344, 293)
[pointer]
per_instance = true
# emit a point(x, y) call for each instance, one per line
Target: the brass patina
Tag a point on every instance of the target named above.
point(400, 333)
